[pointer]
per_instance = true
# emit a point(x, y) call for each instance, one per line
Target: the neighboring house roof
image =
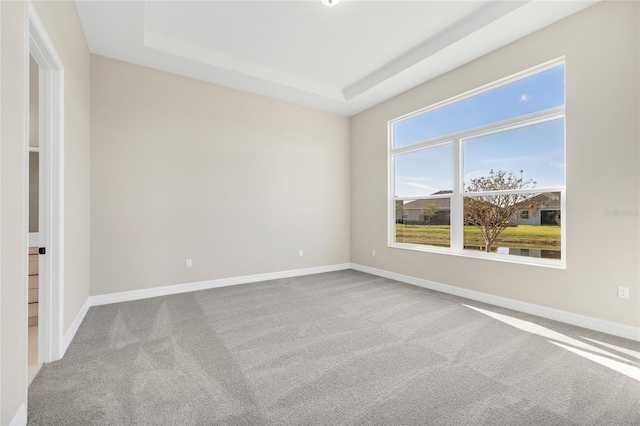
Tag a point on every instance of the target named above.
point(441, 204)
point(547, 200)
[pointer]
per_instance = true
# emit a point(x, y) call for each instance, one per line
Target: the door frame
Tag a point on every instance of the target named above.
point(51, 141)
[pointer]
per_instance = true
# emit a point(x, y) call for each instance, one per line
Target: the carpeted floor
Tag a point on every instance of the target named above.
point(342, 348)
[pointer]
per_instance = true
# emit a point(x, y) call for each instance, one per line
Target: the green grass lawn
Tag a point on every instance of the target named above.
point(521, 236)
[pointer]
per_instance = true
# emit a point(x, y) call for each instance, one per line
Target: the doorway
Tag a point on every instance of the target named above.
point(36, 221)
point(45, 152)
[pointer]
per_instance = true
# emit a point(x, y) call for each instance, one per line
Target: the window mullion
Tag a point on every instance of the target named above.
point(391, 219)
point(456, 199)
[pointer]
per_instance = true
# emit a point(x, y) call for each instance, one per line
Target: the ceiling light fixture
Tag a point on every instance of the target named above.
point(330, 2)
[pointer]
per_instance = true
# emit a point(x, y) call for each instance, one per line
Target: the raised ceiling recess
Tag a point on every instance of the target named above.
point(342, 59)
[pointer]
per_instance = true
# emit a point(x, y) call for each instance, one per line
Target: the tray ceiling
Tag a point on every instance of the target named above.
point(342, 59)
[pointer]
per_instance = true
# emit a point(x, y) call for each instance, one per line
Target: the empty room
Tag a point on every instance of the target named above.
point(320, 212)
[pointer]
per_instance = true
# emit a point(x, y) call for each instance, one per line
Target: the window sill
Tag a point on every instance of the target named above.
point(521, 260)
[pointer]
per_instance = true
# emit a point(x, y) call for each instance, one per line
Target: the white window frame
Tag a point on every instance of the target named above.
point(457, 197)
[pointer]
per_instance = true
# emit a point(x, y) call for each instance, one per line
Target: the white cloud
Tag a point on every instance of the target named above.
point(419, 185)
point(476, 174)
point(524, 97)
point(415, 178)
point(509, 159)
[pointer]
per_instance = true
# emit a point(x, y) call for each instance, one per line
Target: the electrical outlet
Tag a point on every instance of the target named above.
point(187, 263)
point(623, 292)
point(373, 253)
point(300, 253)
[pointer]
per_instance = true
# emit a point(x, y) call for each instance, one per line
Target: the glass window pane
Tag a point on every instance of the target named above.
point(425, 172)
point(498, 224)
point(536, 151)
point(425, 221)
point(535, 93)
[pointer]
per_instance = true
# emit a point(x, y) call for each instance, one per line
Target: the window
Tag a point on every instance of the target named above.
point(483, 174)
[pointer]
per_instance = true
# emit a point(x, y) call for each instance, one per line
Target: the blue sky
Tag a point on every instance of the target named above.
point(538, 149)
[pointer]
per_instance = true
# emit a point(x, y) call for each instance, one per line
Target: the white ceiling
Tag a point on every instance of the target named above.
point(342, 59)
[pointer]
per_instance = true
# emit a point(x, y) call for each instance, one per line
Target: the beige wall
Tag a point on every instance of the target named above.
point(13, 226)
point(183, 169)
point(601, 45)
point(63, 26)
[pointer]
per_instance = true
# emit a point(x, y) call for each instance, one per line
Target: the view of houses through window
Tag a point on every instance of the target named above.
point(484, 174)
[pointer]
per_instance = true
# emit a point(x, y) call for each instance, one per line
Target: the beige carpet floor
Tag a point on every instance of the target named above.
point(342, 348)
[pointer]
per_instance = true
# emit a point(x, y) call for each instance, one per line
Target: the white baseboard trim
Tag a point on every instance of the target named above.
point(596, 324)
point(125, 296)
point(75, 325)
point(584, 321)
point(20, 419)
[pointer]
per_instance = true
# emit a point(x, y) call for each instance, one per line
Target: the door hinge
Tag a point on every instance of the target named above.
point(42, 250)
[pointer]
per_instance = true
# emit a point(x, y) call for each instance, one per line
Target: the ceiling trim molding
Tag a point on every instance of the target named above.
point(455, 32)
point(200, 54)
point(125, 31)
